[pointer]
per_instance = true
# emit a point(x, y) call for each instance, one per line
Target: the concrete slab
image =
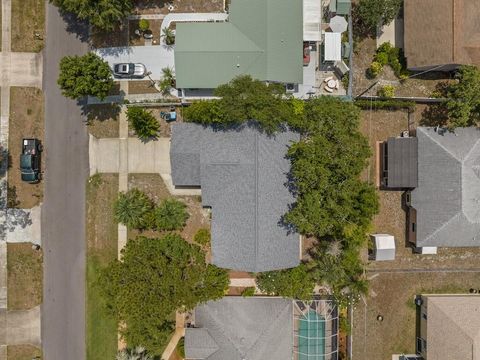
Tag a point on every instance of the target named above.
point(155, 58)
point(150, 157)
point(103, 155)
point(24, 327)
point(24, 225)
point(3, 277)
point(392, 33)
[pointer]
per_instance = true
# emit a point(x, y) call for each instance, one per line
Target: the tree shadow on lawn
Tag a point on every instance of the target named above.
point(100, 112)
point(436, 114)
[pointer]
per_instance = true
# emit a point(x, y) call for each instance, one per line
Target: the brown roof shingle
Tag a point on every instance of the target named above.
point(440, 32)
point(453, 327)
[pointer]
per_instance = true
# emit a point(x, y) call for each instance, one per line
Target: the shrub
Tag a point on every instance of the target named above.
point(387, 91)
point(249, 291)
point(202, 237)
point(381, 58)
point(143, 122)
point(132, 209)
point(375, 69)
point(143, 24)
point(181, 347)
point(171, 214)
point(296, 283)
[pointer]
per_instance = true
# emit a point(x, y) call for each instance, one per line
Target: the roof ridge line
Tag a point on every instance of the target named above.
point(471, 150)
point(442, 146)
point(445, 223)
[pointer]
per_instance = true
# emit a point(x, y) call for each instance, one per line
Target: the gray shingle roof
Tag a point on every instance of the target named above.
point(242, 173)
point(448, 193)
point(402, 162)
point(242, 328)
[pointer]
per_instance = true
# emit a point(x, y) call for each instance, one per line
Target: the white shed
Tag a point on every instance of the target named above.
point(384, 247)
point(333, 46)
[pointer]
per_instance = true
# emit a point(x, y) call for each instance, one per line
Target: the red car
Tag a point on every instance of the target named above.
point(306, 54)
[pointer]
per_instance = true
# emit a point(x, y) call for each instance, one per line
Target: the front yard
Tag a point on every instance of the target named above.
point(26, 121)
point(23, 352)
point(154, 187)
point(102, 237)
point(28, 25)
point(179, 6)
point(25, 276)
point(103, 120)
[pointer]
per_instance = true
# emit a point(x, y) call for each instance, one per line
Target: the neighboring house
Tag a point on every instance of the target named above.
point(441, 33)
point(444, 172)
point(262, 38)
point(243, 176)
point(260, 328)
point(449, 327)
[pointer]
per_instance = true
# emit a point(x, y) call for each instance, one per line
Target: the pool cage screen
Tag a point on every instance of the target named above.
point(315, 330)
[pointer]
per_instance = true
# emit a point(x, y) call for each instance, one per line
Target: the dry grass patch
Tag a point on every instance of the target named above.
point(23, 352)
point(103, 120)
point(28, 25)
point(141, 87)
point(25, 276)
point(26, 121)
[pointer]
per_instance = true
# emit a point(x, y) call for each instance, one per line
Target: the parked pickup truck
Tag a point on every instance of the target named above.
point(30, 160)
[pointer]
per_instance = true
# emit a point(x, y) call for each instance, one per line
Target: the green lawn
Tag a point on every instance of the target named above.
point(102, 341)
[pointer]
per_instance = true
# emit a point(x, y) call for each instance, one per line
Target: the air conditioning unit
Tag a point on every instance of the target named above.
point(290, 88)
point(405, 133)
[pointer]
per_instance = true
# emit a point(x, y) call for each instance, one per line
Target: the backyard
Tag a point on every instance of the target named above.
point(421, 86)
point(28, 25)
point(26, 121)
point(25, 276)
point(102, 232)
point(392, 295)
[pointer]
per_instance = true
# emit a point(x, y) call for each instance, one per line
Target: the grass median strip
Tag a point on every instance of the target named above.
point(102, 236)
point(25, 276)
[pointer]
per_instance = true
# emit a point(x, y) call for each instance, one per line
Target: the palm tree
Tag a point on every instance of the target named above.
point(169, 36)
point(138, 353)
point(168, 80)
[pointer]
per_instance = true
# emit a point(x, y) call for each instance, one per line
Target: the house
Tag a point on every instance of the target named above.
point(449, 327)
point(440, 172)
point(243, 175)
point(441, 34)
point(258, 328)
point(443, 209)
point(262, 38)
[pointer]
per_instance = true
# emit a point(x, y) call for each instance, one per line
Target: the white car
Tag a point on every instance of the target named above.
point(129, 70)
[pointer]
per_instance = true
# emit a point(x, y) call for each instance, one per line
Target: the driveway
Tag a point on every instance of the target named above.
point(63, 212)
point(155, 57)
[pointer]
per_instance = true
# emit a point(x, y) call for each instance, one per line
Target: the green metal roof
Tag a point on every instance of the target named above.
point(262, 38)
point(343, 7)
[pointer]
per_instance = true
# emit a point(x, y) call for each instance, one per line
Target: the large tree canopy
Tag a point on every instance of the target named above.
point(326, 167)
point(87, 75)
point(464, 98)
point(373, 12)
point(154, 279)
point(241, 100)
point(103, 14)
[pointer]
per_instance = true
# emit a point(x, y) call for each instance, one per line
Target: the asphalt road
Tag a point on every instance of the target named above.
point(63, 214)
